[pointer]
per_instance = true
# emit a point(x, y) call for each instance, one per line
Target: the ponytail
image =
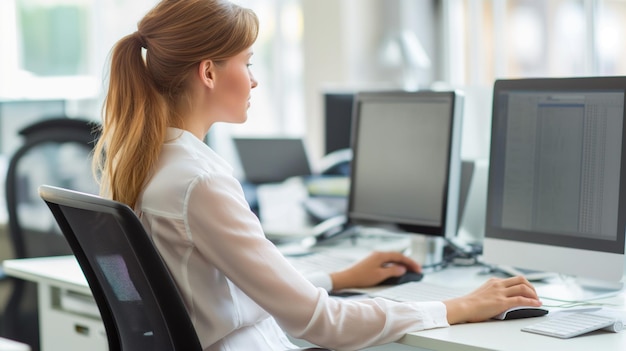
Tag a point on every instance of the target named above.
point(133, 130)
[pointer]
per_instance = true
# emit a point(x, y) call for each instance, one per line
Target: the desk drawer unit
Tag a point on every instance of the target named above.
point(69, 321)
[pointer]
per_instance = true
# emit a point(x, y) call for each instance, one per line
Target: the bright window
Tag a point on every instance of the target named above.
point(54, 37)
point(520, 38)
point(59, 49)
point(490, 39)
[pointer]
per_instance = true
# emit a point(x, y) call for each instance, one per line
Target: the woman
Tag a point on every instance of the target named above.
point(239, 290)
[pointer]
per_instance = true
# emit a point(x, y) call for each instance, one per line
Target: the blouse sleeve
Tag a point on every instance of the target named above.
point(229, 235)
point(320, 280)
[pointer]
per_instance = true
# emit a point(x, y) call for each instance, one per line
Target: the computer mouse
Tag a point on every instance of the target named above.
point(409, 276)
point(522, 312)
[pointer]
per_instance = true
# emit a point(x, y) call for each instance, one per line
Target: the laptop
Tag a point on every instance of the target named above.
point(272, 160)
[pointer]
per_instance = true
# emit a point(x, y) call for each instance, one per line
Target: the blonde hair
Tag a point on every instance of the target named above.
point(145, 94)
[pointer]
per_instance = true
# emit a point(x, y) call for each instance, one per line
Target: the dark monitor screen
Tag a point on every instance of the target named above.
point(338, 120)
point(406, 165)
point(557, 179)
point(272, 160)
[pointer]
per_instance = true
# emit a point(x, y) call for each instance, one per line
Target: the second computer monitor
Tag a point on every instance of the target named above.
point(557, 178)
point(406, 165)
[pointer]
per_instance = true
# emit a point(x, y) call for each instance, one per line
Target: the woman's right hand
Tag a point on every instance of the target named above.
point(373, 269)
point(493, 297)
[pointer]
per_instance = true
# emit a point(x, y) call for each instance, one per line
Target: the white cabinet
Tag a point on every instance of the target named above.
point(69, 321)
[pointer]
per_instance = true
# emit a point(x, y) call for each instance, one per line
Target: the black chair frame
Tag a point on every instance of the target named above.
point(59, 130)
point(54, 130)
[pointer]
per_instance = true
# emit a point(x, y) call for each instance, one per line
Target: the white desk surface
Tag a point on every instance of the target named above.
point(60, 271)
point(506, 335)
point(64, 271)
point(10, 345)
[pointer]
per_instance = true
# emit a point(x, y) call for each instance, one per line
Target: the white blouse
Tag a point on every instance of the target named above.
point(241, 293)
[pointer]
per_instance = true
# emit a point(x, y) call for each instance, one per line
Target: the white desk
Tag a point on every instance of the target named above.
point(10, 345)
point(60, 327)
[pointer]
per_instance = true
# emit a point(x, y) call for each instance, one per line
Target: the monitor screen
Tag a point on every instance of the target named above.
point(557, 176)
point(337, 120)
point(272, 160)
point(406, 165)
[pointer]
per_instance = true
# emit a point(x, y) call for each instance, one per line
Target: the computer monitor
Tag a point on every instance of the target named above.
point(337, 120)
point(272, 159)
point(406, 165)
point(556, 198)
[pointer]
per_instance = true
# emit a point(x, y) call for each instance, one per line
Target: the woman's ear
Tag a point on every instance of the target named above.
point(206, 72)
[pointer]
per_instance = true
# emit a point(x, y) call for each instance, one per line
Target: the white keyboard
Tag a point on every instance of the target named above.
point(320, 261)
point(419, 291)
point(570, 324)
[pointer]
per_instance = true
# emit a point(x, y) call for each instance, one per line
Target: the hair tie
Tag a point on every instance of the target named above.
point(141, 39)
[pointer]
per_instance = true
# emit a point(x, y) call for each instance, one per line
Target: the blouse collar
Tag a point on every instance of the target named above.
point(201, 150)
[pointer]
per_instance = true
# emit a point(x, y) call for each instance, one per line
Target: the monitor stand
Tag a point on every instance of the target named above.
point(572, 289)
point(427, 250)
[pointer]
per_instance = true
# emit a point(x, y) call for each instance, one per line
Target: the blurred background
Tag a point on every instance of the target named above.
point(54, 53)
point(56, 50)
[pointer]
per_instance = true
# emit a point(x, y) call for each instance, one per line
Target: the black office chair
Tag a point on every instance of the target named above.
point(138, 300)
point(54, 151)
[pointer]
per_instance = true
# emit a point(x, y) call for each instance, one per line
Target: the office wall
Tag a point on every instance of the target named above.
point(343, 44)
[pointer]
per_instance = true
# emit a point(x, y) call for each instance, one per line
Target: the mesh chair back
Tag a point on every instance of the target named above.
point(140, 305)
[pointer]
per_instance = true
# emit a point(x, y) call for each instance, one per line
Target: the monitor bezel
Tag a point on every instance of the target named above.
point(496, 162)
point(448, 226)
